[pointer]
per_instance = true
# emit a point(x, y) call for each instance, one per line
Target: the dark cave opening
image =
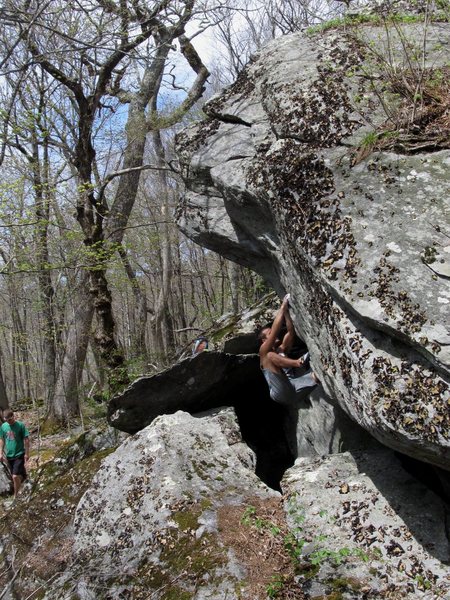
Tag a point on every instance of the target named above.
point(261, 421)
point(434, 478)
point(263, 427)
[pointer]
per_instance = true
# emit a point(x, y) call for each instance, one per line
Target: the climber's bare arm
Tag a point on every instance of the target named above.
point(268, 343)
point(274, 362)
point(288, 339)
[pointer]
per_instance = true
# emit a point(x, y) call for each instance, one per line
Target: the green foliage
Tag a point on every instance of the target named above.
point(423, 583)
point(305, 564)
point(94, 408)
point(377, 19)
point(406, 87)
point(370, 139)
point(99, 254)
point(118, 379)
point(275, 586)
point(322, 554)
point(250, 518)
point(360, 553)
point(342, 22)
point(294, 544)
point(85, 188)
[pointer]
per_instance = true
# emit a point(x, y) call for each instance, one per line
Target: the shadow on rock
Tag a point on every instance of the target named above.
point(204, 382)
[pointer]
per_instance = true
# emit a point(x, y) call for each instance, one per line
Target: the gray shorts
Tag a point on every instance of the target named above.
point(287, 390)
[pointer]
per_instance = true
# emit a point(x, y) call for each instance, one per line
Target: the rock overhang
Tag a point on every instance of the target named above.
point(354, 243)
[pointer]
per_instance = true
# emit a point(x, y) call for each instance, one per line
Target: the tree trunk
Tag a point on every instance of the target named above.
point(163, 322)
point(125, 197)
point(3, 396)
point(234, 286)
point(20, 342)
point(139, 325)
point(46, 291)
point(65, 403)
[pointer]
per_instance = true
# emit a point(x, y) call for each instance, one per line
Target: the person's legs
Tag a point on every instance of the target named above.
point(17, 482)
point(281, 390)
point(304, 385)
point(17, 468)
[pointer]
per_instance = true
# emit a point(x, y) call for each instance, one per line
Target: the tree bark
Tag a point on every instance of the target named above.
point(139, 325)
point(3, 395)
point(162, 319)
point(66, 397)
point(46, 291)
point(234, 286)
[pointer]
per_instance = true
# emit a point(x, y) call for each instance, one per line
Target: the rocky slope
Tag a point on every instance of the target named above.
point(176, 512)
point(293, 174)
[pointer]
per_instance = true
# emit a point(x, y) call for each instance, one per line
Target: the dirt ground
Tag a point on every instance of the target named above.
point(43, 448)
point(256, 533)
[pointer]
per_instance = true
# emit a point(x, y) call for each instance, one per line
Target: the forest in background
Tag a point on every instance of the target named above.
point(98, 285)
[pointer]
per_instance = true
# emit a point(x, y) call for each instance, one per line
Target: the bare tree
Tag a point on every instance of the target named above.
point(3, 395)
point(85, 99)
point(253, 23)
point(75, 44)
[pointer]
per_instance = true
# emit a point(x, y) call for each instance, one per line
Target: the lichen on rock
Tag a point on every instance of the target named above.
point(149, 521)
point(347, 233)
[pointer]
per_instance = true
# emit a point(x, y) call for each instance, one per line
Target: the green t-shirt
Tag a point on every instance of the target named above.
point(13, 436)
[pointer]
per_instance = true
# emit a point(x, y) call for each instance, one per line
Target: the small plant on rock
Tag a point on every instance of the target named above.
point(275, 586)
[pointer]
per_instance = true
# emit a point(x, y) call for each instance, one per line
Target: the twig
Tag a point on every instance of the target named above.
point(45, 584)
point(14, 577)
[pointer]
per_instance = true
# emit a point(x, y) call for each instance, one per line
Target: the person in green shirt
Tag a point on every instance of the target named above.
point(14, 448)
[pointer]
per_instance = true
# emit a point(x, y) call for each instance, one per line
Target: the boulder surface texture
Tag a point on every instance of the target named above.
point(148, 527)
point(279, 180)
point(362, 520)
point(175, 512)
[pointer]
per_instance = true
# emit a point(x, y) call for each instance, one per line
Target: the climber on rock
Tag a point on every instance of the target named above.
point(286, 387)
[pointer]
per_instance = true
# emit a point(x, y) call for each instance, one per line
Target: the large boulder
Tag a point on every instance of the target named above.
point(149, 524)
point(366, 529)
point(213, 379)
point(5, 480)
point(36, 530)
point(207, 380)
point(178, 512)
point(277, 181)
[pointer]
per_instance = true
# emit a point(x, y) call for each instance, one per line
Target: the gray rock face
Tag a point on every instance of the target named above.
point(5, 481)
point(151, 523)
point(363, 248)
point(207, 380)
point(148, 526)
point(363, 522)
point(322, 427)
